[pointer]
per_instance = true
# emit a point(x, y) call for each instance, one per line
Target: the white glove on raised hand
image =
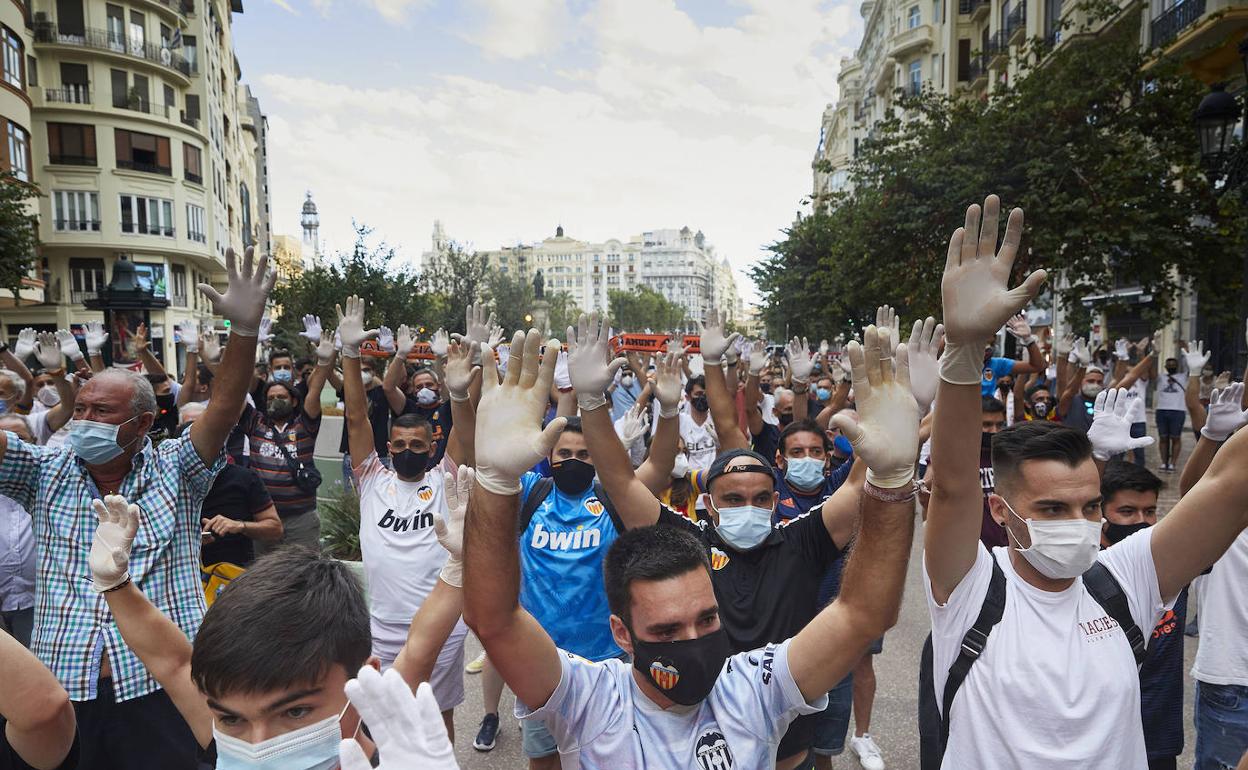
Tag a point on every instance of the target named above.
point(886, 318)
point(590, 364)
point(713, 342)
point(450, 528)
point(326, 349)
point(209, 346)
point(1225, 416)
point(1063, 345)
point(244, 298)
point(459, 370)
point(563, 380)
point(496, 337)
point(1122, 350)
point(110, 549)
point(667, 387)
point(510, 438)
point(96, 337)
point(1196, 359)
point(404, 341)
point(478, 323)
point(48, 351)
point(1020, 329)
point(24, 348)
point(925, 339)
point(887, 435)
point(633, 425)
point(1080, 354)
point(312, 328)
point(69, 345)
point(351, 327)
point(265, 336)
point(975, 289)
point(408, 729)
point(1110, 433)
point(385, 339)
point(440, 343)
point(757, 358)
point(188, 331)
point(800, 362)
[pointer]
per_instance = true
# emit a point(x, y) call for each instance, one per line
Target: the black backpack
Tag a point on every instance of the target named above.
point(934, 718)
point(541, 490)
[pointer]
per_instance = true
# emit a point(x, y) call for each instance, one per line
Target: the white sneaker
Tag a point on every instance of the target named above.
point(867, 752)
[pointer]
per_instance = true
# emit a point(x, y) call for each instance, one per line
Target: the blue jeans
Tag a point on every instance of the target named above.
point(833, 724)
point(1221, 725)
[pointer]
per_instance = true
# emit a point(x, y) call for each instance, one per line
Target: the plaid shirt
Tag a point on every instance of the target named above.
point(72, 623)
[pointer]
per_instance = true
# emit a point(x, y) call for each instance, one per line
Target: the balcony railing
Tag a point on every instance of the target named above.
point(1166, 27)
point(1016, 21)
point(967, 7)
point(199, 237)
point(912, 89)
point(193, 177)
point(144, 106)
point(68, 94)
point(77, 225)
point(147, 168)
point(103, 40)
point(78, 297)
point(72, 160)
point(975, 69)
point(147, 229)
point(189, 121)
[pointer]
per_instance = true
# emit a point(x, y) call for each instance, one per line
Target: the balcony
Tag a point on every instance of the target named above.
point(976, 9)
point(72, 160)
point(146, 168)
point(141, 228)
point(76, 225)
point(189, 121)
point(79, 297)
point(67, 94)
point(997, 52)
point(47, 33)
point(1016, 24)
point(193, 177)
point(1166, 28)
point(905, 44)
point(977, 72)
point(144, 106)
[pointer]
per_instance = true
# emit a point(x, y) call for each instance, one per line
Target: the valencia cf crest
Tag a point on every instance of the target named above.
point(719, 559)
point(664, 675)
point(425, 494)
point(595, 506)
point(712, 751)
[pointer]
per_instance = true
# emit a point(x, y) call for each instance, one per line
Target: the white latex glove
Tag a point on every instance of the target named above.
point(24, 348)
point(477, 323)
point(713, 342)
point(800, 362)
point(326, 349)
point(337, 341)
point(265, 336)
point(209, 346)
point(886, 318)
point(48, 351)
point(823, 347)
point(1110, 433)
point(633, 425)
point(590, 364)
point(351, 327)
point(1225, 417)
point(408, 729)
point(96, 337)
point(667, 385)
point(440, 343)
point(459, 370)
point(886, 436)
point(1122, 350)
point(975, 289)
point(504, 355)
point(404, 341)
point(312, 328)
point(1081, 354)
point(1223, 380)
point(496, 337)
point(1018, 327)
point(244, 298)
point(757, 358)
point(69, 345)
point(563, 380)
point(385, 339)
point(925, 339)
point(110, 549)
point(1196, 359)
point(510, 438)
point(1063, 345)
point(733, 353)
point(188, 330)
point(450, 528)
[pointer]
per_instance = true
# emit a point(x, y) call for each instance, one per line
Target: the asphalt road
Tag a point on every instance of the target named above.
point(893, 721)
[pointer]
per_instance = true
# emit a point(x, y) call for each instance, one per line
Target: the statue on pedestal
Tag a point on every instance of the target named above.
point(539, 286)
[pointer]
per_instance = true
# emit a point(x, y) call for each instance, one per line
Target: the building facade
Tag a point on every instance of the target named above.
point(136, 143)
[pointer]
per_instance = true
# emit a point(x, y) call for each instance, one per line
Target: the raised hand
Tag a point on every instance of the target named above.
point(460, 370)
point(886, 318)
point(591, 366)
point(1062, 346)
point(450, 528)
point(925, 339)
point(823, 347)
point(266, 335)
point(1196, 359)
point(496, 337)
point(96, 337)
point(1223, 380)
point(404, 341)
point(1018, 326)
point(24, 348)
point(1225, 415)
point(326, 349)
point(351, 327)
point(1122, 349)
point(510, 437)
point(477, 324)
point(887, 435)
point(1081, 354)
point(139, 338)
point(188, 331)
point(48, 351)
point(667, 387)
point(209, 346)
point(713, 342)
point(1110, 433)
point(311, 328)
point(634, 425)
point(756, 357)
point(385, 339)
point(69, 346)
point(800, 362)
point(407, 729)
point(244, 298)
point(440, 343)
point(110, 549)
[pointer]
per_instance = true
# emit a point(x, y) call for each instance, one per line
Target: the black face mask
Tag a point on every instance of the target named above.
point(765, 387)
point(684, 671)
point(785, 418)
point(280, 408)
point(572, 476)
point(1040, 409)
point(1172, 370)
point(700, 403)
point(1116, 533)
point(410, 464)
point(985, 441)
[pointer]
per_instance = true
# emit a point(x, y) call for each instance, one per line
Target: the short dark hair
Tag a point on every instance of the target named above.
point(411, 420)
point(574, 425)
point(993, 406)
point(656, 552)
point(273, 354)
point(803, 426)
point(290, 390)
point(699, 380)
point(1034, 389)
point(302, 362)
point(283, 623)
point(1119, 476)
point(203, 374)
point(1036, 440)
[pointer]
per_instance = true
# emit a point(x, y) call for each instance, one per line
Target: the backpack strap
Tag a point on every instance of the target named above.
point(1108, 593)
point(973, 645)
point(601, 493)
point(537, 493)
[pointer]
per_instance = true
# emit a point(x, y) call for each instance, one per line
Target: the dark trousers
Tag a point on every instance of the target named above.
point(137, 734)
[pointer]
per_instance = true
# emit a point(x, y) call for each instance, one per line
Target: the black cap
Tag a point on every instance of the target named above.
point(720, 466)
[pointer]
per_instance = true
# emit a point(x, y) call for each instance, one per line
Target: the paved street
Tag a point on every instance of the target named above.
point(893, 722)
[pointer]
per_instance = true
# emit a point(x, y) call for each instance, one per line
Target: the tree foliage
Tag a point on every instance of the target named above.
point(512, 298)
point(454, 282)
point(1099, 151)
point(19, 231)
point(644, 308)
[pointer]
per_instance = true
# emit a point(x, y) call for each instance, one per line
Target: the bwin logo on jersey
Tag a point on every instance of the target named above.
point(576, 540)
point(712, 751)
point(390, 521)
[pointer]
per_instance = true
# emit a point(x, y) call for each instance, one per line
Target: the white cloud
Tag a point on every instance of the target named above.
point(520, 29)
point(670, 124)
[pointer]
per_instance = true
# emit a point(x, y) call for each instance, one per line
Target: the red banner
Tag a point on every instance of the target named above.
point(421, 352)
point(651, 343)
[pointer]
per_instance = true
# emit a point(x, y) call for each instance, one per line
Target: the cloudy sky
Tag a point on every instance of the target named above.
point(504, 118)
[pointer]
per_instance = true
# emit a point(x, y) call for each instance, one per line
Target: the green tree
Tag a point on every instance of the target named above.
point(19, 231)
point(644, 308)
point(511, 297)
point(455, 282)
point(1098, 150)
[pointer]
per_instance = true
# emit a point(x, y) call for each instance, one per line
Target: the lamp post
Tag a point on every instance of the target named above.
point(1226, 163)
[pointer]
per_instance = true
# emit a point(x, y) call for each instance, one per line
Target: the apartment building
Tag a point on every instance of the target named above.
point(143, 144)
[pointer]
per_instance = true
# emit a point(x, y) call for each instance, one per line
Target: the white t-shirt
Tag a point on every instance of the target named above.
point(700, 444)
point(1138, 389)
point(1223, 654)
point(401, 553)
point(1056, 687)
point(1170, 392)
point(600, 713)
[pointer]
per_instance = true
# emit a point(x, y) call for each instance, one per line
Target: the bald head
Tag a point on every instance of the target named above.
point(121, 386)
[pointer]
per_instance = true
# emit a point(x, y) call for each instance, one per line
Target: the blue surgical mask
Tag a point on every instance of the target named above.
point(804, 472)
point(314, 747)
point(426, 397)
point(823, 394)
point(283, 375)
point(96, 442)
point(744, 527)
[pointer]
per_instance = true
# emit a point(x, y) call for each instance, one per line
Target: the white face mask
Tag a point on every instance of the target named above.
point(314, 747)
point(1060, 548)
point(367, 377)
point(680, 468)
point(48, 396)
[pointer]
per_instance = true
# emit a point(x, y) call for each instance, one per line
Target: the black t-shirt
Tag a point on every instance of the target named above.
point(238, 494)
point(1080, 415)
point(767, 442)
point(378, 417)
point(439, 418)
point(9, 760)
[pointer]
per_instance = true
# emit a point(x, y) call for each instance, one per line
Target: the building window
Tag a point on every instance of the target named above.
point(19, 151)
point(938, 11)
point(914, 19)
point(14, 58)
point(195, 223)
point(178, 274)
point(142, 152)
point(71, 144)
point(86, 277)
point(75, 211)
point(916, 77)
point(147, 216)
point(192, 163)
point(244, 197)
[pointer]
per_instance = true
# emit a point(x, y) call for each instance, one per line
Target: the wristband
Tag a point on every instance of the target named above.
point(588, 402)
point(350, 351)
point(888, 495)
point(459, 398)
point(667, 412)
point(125, 582)
point(962, 364)
point(712, 361)
point(452, 573)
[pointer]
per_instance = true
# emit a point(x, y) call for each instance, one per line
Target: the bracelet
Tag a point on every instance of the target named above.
point(119, 586)
point(588, 402)
point(899, 495)
point(459, 399)
point(55, 372)
point(803, 390)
